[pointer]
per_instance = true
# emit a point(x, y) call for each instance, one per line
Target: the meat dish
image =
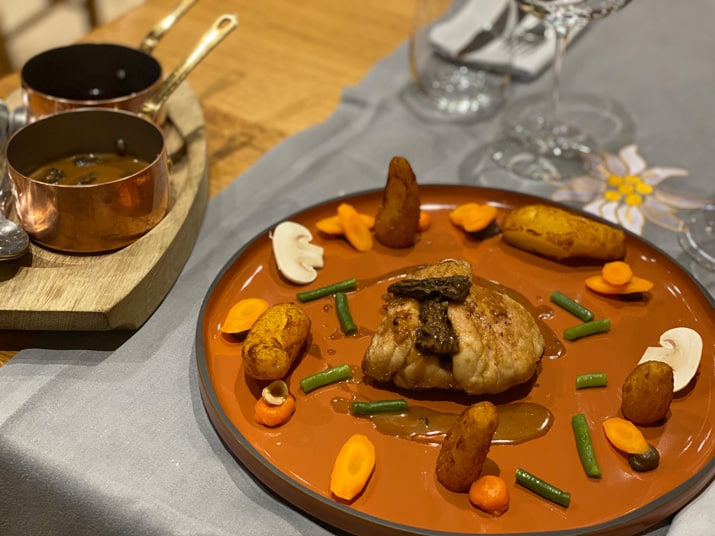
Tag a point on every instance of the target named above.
point(477, 340)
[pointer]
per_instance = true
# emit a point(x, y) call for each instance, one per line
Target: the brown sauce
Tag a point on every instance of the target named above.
point(89, 168)
point(518, 422)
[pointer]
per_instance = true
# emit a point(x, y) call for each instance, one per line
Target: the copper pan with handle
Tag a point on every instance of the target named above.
point(105, 215)
point(96, 74)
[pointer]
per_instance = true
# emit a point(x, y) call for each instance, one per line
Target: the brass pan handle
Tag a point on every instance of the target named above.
point(220, 29)
point(151, 40)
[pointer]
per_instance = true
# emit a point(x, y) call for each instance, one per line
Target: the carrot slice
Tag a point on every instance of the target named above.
point(369, 220)
point(331, 224)
point(354, 227)
point(490, 493)
point(424, 222)
point(617, 272)
point(636, 285)
point(353, 467)
point(457, 215)
point(243, 314)
point(473, 217)
point(625, 436)
point(273, 415)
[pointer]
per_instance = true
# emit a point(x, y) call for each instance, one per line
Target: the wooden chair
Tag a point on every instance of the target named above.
point(6, 66)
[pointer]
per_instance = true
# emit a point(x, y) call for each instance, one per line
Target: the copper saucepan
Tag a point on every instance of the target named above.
point(101, 216)
point(96, 74)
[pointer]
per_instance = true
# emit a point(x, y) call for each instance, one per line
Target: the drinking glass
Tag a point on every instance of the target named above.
point(698, 237)
point(460, 57)
point(546, 134)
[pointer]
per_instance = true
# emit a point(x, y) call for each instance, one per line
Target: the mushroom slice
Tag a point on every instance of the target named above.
point(681, 348)
point(275, 393)
point(295, 256)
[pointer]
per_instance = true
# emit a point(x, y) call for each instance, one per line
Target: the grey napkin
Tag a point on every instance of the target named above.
point(106, 433)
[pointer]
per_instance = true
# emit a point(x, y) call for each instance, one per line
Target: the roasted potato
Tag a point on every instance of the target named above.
point(466, 446)
point(647, 393)
point(397, 219)
point(559, 234)
point(274, 341)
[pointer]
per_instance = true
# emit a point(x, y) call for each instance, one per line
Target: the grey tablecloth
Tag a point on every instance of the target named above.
point(106, 433)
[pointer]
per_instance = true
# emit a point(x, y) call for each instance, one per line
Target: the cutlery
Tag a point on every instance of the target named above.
point(470, 28)
point(530, 37)
point(14, 241)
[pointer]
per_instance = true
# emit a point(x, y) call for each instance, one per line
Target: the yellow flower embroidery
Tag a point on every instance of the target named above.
point(623, 189)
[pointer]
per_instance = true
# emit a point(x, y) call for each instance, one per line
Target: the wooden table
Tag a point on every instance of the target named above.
point(282, 71)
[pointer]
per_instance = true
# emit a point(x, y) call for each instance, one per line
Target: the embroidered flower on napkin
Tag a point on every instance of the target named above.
point(622, 188)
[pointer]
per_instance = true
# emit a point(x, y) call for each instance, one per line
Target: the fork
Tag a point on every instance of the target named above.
point(529, 38)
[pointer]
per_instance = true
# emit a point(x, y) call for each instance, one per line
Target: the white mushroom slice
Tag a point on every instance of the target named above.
point(310, 254)
point(295, 256)
point(275, 393)
point(681, 348)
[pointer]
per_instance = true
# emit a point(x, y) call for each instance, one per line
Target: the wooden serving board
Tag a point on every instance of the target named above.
point(46, 290)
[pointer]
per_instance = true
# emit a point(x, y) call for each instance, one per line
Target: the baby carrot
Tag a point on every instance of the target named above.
point(424, 222)
point(243, 314)
point(331, 224)
point(273, 415)
point(490, 493)
point(617, 272)
point(473, 217)
point(636, 285)
point(625, 436)
point(617, 278)
point(353, 467)
point(354, 227)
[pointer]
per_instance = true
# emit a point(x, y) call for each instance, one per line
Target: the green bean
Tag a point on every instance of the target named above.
point(340, 286)
point(585, 446)
point(592, 379)
point(571, 305)
point(326, 377)
point(379, 406)
point(344, 316)
point(543, 488)
point(587, 328)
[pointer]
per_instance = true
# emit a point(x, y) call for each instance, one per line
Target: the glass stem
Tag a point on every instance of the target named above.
point(562, 40)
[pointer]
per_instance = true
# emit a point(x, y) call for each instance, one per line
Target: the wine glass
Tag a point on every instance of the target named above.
point(698, 236)
point(545, 135)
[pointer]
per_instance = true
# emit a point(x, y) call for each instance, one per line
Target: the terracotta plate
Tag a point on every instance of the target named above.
point(403, 495)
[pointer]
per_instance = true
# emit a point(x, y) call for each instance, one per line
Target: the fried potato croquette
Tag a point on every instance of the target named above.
point(397, 220)
point(466, 446)
point(560, 234)
point(274, 341)
point(647, 393)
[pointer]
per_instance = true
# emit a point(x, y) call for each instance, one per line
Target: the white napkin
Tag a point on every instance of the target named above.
point(527, 62)
point(450, 37)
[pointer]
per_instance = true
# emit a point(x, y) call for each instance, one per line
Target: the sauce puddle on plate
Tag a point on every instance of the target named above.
point(518, 422)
